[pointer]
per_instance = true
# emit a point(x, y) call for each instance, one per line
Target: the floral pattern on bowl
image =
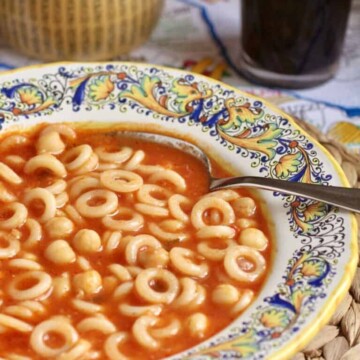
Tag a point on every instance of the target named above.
point(302, 292)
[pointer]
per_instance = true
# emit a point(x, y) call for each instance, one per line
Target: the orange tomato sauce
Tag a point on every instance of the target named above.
point(197, 185)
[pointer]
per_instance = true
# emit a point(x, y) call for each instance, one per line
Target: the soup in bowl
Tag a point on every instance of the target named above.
point(113, 247)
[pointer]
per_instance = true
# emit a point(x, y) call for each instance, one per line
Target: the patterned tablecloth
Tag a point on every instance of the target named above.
point(203, 36)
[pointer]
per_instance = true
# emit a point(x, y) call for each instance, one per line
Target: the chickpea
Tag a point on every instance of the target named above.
point(254, 238)
point(197, 324)
point(225, 294)
point(244, 206)
point(59, 227)
point(87, 241)
point(60, 252)
point(89, 282)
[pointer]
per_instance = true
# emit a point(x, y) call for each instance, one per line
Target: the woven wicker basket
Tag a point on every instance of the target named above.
point(53, 30)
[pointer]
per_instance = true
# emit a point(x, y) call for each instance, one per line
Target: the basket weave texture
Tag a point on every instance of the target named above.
point(53, 30)
point(340, 339)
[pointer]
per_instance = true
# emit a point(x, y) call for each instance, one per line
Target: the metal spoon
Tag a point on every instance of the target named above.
point(346, 198)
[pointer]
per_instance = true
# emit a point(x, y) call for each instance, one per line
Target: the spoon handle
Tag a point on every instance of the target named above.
point(346, 198)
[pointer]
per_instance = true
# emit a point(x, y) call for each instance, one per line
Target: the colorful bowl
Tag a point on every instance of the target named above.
point(315, 245)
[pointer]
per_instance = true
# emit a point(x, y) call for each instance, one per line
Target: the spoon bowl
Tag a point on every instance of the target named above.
point(342, 197)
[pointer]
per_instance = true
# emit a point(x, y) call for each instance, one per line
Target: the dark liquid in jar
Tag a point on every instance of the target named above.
point(294, 36)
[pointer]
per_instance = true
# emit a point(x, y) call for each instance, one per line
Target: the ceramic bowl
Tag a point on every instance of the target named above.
point(315, 245)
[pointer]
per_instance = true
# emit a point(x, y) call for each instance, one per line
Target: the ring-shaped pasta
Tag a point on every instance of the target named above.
point(169, 286)
point(96, 211)
point(176, 211)
point(24, 264)
point(134, 270)
point(76, 157)
point(96, 323)
point(144, 195)
point(13, 247)
point(61, 327)
point(16, 162)
point(64, 130)
point(161, 230)
point(76, 178)
point(183, 260)
point(82, 184)
point(135, 160)
point(14, 323)
point(26, 310)
point(111, 240)
point(13, 141)
point(207, 203)
point(151, 210)
point(232, 266)
point(139, 310)
point(134, 223)
point(213, 253)
point(103, 166)
point(199, 298)
point(172, 329)
point(48, 200)
point(117, 157)
point(120, 271)
point(86, 307)
point(88, 166)
point(149, 169)
point(61, 199)
point(187, 294)
point(140, 331)
point(246, 296)
point(112, 343)
point(35, 306)
point(226, 194)
point(5, 195)
point(42, 285)
point(121, 181)
point(139, 242)
point(18, 311)
point(170, 176)
point(57, 187)
point(17, 218)
point(9, 175)
point(74, 215)
point(45, 161)
point(216, 231)
point(123, 289)
point(50, 143)
point(83, 263)
point(78, 351)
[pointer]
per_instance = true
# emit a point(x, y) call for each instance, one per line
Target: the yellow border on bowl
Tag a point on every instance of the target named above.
point(335, 298)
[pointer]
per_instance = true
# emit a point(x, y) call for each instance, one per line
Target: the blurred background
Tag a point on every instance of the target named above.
point(244, 43)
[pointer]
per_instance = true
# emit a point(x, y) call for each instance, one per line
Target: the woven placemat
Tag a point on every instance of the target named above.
point(340, 339)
